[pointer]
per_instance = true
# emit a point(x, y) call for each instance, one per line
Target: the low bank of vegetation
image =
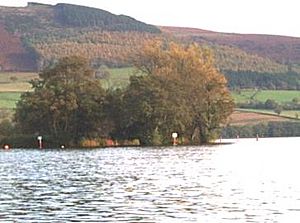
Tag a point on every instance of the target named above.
point(270, 129)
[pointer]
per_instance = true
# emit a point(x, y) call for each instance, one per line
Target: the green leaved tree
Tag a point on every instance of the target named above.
point(66, 104)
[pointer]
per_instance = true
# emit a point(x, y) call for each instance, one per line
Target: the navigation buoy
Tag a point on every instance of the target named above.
point(174, 136)
point(40, 138)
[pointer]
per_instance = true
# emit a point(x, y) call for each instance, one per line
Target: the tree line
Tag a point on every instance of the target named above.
point(247, 79)
point(271, 129)
point(271, 104)
point(182, 92)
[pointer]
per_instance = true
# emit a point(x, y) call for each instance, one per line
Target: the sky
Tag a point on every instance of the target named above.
point(275, 17)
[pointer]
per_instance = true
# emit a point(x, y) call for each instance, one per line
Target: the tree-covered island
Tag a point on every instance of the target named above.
point(181, 92)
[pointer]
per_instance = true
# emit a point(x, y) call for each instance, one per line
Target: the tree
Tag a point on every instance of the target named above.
point(66, 102)
point(296, 100)
point(103, 72)
point(6, 128)
point(278, 110)
point(271, 104)
point(200, 87)
point(151, 111)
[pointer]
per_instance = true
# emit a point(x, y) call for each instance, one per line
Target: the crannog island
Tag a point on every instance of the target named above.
point(180, 92)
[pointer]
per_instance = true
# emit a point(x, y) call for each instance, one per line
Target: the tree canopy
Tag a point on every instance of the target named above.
point(66, 102)
point(183, 93)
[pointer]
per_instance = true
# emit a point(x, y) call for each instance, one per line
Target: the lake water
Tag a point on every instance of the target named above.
point(248, 181)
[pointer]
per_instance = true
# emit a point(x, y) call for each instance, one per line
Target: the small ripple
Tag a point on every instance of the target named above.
point(135, 185)
point(293, 209)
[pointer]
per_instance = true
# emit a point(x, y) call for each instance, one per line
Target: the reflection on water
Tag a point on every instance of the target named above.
point(248, 181)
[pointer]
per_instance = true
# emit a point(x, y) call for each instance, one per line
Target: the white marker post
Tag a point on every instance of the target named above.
point(174, 136)
point(40, 138)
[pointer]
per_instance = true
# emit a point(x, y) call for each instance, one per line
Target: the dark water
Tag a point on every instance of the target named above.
point(248, 181)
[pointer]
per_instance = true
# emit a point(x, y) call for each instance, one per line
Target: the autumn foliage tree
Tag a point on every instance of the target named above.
point(198, 86)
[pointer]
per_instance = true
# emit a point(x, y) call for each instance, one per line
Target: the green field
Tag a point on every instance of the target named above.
point(11, 87)
point(8, 100)
point(13, 84)
point(19, 82)
point(119, 77)
point(279, 96)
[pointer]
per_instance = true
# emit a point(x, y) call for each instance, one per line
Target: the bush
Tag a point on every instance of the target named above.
point(270, 104)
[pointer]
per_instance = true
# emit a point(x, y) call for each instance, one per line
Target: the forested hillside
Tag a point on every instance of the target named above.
point(282, 49)
point(13, 55)
point(46, 32)
point(37, 35)
point(107, 47)
point(249, 61)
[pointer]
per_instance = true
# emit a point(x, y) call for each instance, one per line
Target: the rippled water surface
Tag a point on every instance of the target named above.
point(248, 181)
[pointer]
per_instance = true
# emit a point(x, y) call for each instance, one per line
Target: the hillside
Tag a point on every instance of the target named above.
point(13, 55)
point(249, 61)
point(35, 36)
point(281, 49)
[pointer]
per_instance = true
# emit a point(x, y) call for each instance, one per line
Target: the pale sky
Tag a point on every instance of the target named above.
point(278, 17)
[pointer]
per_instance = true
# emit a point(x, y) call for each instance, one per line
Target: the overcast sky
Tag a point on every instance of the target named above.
point(279, 17)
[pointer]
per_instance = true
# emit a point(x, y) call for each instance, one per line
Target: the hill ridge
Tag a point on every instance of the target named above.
point(282, 49)
point(40, 33)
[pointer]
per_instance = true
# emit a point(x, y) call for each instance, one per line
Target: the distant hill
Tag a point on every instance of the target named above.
point(34, 36)
point(28, 32)
point(282, 49)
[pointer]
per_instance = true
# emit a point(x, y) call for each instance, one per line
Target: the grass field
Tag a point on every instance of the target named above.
point(16, 82)
point(119, 77)
point(9, 77)
point(13, 84)
point(8, 100)
point(279, 96)
point(11, 87)
point(15, 87)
